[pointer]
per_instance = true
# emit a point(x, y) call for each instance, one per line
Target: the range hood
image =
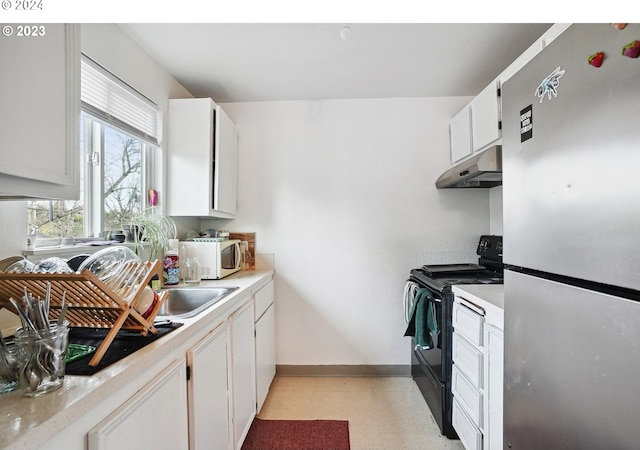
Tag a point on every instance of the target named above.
point(481, 171)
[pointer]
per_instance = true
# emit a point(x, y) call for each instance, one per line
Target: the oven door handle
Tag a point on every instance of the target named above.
point(409, 298)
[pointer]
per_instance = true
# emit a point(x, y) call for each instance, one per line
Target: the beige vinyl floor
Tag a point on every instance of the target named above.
point(383, 413)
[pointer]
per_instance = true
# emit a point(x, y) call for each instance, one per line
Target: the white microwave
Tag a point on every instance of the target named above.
point(217, 259)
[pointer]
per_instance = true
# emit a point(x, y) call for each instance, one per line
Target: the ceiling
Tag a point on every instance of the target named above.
point(287, 61)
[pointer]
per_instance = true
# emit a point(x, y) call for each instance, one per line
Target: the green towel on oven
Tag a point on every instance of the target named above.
point(424, 321)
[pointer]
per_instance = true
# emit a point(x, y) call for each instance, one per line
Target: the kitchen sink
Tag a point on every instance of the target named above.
point(187, 302)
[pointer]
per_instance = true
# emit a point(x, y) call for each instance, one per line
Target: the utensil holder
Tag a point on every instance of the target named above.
point(41, 358)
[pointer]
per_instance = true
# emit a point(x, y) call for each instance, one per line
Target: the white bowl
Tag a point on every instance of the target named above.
point(147, 301)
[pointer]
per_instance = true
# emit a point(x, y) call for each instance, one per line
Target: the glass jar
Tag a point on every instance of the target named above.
point(191, 271)
point(41, 358)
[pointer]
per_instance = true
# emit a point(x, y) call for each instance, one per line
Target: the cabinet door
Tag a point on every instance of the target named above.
point(468, 396)
point(485, 117)
point(208, 392)
point(154, 418)
point(265, 354)
point(243, 371)
point(226, 164)
point(460, 135)
point(190, 157)
point(468, 321)
point(263, 298)
point(202, 160)
point(468, 359)
point(494, 367)
point(40, 112)
point(470, 435)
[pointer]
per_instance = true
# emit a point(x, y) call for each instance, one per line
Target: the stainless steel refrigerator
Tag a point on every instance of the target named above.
point(571, 190)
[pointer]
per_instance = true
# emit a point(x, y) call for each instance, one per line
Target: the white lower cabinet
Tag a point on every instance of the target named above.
point(209, 405)
point(155, 417)
point(265, 341)
point(213, 409)
point(243, 371)
point(221, 396)
point(477, 376)
point(468, 372)
point(493, 369)
point(198, 394)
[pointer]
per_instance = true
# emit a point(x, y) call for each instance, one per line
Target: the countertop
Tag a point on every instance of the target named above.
point(27, 423)
point(490, 297)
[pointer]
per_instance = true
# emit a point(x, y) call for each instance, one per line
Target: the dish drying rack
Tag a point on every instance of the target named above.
point(91, 303)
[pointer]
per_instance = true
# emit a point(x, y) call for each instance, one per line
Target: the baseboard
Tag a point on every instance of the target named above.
point(391, 370)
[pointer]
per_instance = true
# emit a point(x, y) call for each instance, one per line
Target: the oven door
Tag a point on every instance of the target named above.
point(430, 370)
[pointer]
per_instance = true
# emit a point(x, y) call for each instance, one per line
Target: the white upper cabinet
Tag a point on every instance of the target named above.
point(40, 112)
point(202, 160)
point(460, 135)
point(478, 125)
point(485, 117)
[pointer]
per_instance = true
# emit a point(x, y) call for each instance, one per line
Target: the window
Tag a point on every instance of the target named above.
point(120, 132)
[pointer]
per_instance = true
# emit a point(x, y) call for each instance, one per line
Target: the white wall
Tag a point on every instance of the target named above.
point(495, 208)
point(342, 192)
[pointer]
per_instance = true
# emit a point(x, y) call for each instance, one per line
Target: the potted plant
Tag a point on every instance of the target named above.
point(153, 230)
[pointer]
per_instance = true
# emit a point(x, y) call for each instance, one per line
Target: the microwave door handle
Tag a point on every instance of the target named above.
point(238, 256)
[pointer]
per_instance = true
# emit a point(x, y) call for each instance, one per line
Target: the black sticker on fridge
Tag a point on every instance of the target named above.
point(526, 123)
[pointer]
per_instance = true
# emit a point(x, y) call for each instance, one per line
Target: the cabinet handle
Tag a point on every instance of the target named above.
point(472, 306)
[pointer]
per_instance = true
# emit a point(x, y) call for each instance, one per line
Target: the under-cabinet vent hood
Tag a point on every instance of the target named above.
point(481, 171)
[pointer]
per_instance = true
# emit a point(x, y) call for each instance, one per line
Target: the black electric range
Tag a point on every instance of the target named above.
point(431, 367)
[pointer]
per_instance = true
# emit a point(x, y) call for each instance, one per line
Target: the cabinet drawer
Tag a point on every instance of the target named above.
point(468, 323)
point(263, 298)
point(468, 359)
point(469, 434)
point(469, 397)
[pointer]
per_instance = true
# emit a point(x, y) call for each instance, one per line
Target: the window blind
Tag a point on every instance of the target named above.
point(109, 99)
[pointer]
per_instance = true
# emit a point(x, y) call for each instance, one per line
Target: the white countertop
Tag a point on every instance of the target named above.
point(27, 423)
point(489, 297)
